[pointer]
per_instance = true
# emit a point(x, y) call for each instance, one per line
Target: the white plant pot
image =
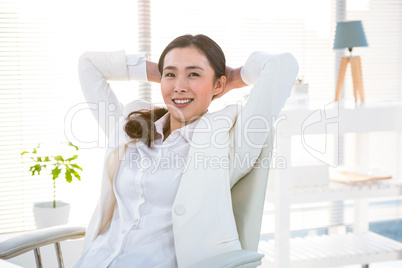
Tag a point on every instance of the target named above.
point(47, 216)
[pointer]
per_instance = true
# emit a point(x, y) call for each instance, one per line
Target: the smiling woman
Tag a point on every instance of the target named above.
point(192, 70)
point(183, 215)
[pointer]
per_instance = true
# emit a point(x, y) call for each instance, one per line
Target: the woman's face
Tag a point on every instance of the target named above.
point(187, 84)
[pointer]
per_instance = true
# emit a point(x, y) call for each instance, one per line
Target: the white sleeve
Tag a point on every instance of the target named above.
point(273, 77)
point(94, 69)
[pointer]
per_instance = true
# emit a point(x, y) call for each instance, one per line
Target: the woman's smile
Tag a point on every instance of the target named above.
point(180, 102)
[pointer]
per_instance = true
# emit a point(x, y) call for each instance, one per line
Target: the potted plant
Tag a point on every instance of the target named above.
point(54, 212)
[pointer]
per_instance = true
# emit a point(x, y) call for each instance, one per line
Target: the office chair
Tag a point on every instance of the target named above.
point(248, 197)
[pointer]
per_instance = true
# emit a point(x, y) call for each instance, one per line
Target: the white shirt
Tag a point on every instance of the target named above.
point(140, 233)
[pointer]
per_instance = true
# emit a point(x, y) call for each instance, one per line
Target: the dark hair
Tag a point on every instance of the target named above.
point(210, 49)
point(141, 124)
point(205, 45)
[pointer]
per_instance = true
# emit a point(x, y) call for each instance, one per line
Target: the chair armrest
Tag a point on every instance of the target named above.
point(12, 245)
point(232, 259)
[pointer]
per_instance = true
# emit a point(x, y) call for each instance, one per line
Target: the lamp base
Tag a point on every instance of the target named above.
point(357, 77)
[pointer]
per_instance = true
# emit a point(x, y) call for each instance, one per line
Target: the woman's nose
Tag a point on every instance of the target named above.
point(181, 86)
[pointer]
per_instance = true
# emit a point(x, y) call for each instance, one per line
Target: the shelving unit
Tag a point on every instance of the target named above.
point(336, 250)
point(336, 191)
point(359, 247)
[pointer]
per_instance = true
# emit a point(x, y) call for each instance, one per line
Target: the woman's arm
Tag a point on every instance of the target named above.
point(153, 72)
point(273, 77)
point(95, 70)
point(233, 80)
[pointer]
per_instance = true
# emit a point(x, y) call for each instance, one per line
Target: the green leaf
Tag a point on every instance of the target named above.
point(46, 159)
point(75, 173)
point(71, 144)
point(59, 158)
point(76, 166)
point(39, 159)
point(72, 158)
point(56, 172)
point(37, 147)
point(69, 178)
point(24, 152)
point(36, 168)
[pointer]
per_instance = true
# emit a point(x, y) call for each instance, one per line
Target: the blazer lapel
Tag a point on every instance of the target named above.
point(210, 142)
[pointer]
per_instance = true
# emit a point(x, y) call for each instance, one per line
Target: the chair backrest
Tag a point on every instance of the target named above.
point(248, 198)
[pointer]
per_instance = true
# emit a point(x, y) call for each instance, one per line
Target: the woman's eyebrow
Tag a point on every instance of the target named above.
point(194, 67)
point(170, 68)
point(187, 68)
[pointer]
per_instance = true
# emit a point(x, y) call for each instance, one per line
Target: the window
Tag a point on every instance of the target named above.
point(32, 92)
point(40, 42)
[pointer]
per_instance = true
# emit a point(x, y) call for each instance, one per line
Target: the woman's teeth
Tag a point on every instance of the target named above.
point(182, 101)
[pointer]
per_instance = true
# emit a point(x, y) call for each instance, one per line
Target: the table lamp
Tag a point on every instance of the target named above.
point(350, 34)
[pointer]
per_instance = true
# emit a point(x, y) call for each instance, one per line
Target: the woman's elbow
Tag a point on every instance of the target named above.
point(84, 58)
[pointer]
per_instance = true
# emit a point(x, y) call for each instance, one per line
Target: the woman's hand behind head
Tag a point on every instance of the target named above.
point(233, 80)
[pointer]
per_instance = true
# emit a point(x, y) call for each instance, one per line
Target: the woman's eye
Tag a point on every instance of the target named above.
point(194, 74)
point(169, 75)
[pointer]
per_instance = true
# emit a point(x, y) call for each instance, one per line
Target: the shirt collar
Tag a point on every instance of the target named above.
point(160, 123)
point(186, 131)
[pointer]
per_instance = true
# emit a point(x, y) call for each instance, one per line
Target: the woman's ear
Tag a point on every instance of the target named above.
point(219, 85)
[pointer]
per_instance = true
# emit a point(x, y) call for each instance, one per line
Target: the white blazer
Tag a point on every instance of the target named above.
point(224, 147)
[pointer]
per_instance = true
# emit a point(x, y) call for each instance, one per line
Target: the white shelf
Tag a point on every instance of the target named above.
point(326, 251)
point(351, 118)
point(343, 191)
point(335, 250)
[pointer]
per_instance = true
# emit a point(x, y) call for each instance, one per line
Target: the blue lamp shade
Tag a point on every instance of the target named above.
point(349, 34)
